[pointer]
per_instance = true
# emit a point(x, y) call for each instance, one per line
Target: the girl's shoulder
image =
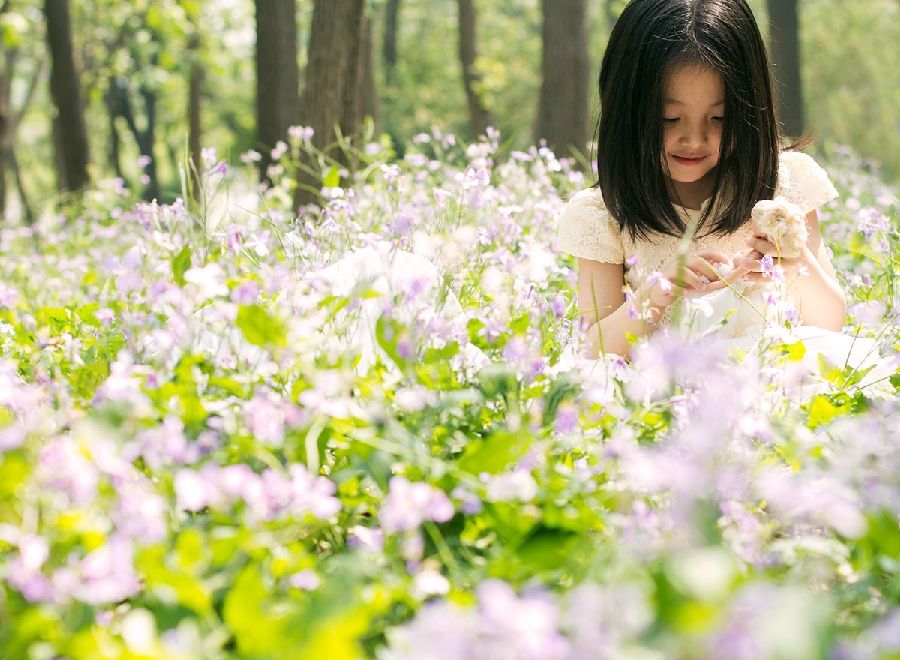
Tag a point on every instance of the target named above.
point(591, 197)
point(803, 181)
point(587, 230)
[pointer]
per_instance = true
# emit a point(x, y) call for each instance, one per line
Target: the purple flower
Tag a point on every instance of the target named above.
point(558, 305)
point(8, 296)
point(265, 420)
point(566, 420)
point(208, 157)
point(409, 504)
point(767, 264)
point(312, 494)
point(194, 491)
point(370, 539)
point(307, 579)
point(105, 575)
point(301, 133)
point(140, 513)
point(24, 572)
point(67, 470)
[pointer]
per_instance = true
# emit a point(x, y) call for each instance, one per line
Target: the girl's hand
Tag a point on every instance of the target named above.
point(697, 272)
point(759, 247)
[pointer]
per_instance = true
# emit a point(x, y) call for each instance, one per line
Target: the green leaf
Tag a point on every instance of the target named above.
point(181, 263)
point(497, 380)
point(332, 178)
point(822, 409)
point(188, 591)
point(389, 334)
point(257, 631)
point(794, 352)
point(259, 327)
point(13, 26)
point(494, 453)
point(560, 390)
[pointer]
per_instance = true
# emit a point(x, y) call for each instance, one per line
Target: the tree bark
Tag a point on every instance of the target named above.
point(277, 74)
point(14, 118)
point(69, 128)
point(5, 128)
point(563, 113)
point(6, 120)
point(479, 117)
point(370, 103)
point(335, 81)
point(389, 41)
point(785, 48)
point(195, 102)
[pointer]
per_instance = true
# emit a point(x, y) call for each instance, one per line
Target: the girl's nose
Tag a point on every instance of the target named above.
point(694, 134)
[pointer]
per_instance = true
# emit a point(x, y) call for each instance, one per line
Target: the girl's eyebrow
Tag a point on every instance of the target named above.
point(670, 101)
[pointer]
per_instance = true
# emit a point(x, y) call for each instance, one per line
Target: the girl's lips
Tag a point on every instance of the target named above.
point(681, 160)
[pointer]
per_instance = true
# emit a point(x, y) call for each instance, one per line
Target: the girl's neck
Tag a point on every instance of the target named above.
point(691, 195)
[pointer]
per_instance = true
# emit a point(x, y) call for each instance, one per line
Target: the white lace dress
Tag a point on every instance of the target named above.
point(587, 230)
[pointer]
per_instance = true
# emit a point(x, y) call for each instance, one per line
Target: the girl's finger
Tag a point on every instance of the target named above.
point(713, 256)
point(704, 269)
point(692, 280)
point(749, 261)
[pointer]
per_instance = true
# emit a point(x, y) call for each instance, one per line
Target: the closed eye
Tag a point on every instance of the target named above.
point(670, 120)
point(717, 118)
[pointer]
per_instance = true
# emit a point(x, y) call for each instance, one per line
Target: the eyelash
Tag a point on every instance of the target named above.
point(672, 120)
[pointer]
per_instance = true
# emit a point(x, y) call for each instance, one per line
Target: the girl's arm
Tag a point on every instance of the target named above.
point(603, 310)
point(813, 284)
point(611, 320)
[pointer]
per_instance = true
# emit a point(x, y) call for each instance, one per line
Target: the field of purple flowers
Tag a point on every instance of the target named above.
point(229, 432)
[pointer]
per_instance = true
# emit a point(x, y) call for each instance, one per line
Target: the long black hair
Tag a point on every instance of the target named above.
point(650, 39)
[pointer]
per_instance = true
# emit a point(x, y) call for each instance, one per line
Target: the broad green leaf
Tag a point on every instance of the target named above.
point(261, 328)
point(332, 178)
point(497, 380)
point(181, 263)
point(494, 453)
point(822, 410)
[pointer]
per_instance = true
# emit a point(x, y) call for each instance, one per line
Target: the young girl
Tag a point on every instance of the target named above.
point(688, 144)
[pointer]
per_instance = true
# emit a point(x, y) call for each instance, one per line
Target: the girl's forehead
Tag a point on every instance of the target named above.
point(692, 79)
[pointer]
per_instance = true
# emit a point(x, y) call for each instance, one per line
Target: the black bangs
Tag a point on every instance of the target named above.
point(650, 39)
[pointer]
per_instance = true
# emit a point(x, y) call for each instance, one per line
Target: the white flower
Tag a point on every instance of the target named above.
point(206, 283)
point(783, 223)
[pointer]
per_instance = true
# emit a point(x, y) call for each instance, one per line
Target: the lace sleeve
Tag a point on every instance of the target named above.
point(587, 230)
point(802, 181)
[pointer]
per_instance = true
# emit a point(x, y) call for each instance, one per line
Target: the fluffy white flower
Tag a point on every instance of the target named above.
point(783, 223)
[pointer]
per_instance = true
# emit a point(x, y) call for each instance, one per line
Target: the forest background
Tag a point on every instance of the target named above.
point(166, 78)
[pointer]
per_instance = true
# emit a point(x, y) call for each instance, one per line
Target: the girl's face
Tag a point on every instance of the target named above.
point(693, 105)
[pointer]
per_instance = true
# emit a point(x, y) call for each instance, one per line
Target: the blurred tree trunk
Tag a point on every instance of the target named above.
point(389, 40)
point(69, 128)
point(113, 112)
point(333, 99)
point(11, 118)
point(563, 113)
point(785, 49)
point(5, 129)
point(370, 102)
point(479, 117)
point(120, 104)
point(277, 74)
point(195, 101)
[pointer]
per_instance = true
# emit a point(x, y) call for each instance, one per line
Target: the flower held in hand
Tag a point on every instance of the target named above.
point(782, 223)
